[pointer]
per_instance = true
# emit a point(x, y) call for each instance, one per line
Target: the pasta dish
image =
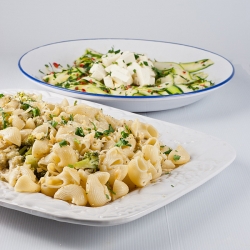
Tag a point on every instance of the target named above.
point(76, 153)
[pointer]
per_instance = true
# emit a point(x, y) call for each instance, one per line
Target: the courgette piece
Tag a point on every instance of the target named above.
point(144, 91)
point(166, 79)
point(185, 88)
point(200, 85)
point(182, 76)
point(93, 53)
point(166, 65)
point(196, 66)
point(174, 90)
point(55, 78)
point(199, 75)
point(94, 89)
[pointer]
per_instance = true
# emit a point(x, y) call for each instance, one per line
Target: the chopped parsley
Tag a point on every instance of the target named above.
point(124, 134)
point(77, 141)
point(168, 151)
point(79, 132)
point(110, 189)
point(114, 51)
point(127, 128)
point(109, 130)
point(99, 134)
point(54, 124)
point(122, 143)
point(63, 143)
point(136, 56)
point(1, 95)
point(51, 116)
point(5, 117)
point(64, 121)
point(94, 126)
point(176, 157)
point(34, 110)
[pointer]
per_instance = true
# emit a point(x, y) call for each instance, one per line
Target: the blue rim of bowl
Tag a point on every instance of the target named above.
point(119, 96)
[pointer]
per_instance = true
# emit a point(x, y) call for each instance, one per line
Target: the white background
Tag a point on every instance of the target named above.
point(214, 216)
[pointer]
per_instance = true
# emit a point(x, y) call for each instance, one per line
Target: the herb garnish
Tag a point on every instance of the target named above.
point(122, 143)
point(99, 134)
point(5, 117)
point(79, 132)
point(54, 124)
point(110, 189)
point(34, 110)
point(168, 151)
point(63, 143)
point(176, 157)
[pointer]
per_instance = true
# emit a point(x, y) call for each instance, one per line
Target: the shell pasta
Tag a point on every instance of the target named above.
point(76, 153)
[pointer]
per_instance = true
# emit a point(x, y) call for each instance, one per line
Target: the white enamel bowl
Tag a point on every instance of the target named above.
point(66, 52)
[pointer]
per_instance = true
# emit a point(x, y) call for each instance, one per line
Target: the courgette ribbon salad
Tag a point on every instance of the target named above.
point(128, 74)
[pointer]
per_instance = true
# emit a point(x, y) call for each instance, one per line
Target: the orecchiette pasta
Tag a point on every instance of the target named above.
point(76, 153)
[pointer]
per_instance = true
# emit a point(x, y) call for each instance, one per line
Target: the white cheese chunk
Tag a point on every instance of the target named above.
point(120, 75)
point(111, 68)
point(132, 68)
point(143, 75)
point(108, 82)
point(109, 58)
point(121, 63)
point(97, 71)
point(142, 58)
point(127, 57)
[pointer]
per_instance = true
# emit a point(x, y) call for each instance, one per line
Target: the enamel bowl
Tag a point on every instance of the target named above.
point(66, 52)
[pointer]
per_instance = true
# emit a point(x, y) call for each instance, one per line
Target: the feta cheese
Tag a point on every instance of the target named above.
point(124, 69)
point(143, 58)
point(108, 82)
point(120, 75)
point(121, 63)
point(132, 68)
point(98, 71)
point(127, 57)
point(111, 68)
point(109, 58)
point(143, 75)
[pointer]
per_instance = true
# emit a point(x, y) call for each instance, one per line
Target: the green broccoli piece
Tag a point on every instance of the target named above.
point(33, 161)
point(29, 141)
point(30, 159)
point(90, 161)
point(39, 174)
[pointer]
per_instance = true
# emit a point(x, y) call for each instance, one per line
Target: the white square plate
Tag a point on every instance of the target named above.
point(209, 156)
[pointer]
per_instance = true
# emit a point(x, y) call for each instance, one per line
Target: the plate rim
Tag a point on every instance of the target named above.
point(125, 97)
